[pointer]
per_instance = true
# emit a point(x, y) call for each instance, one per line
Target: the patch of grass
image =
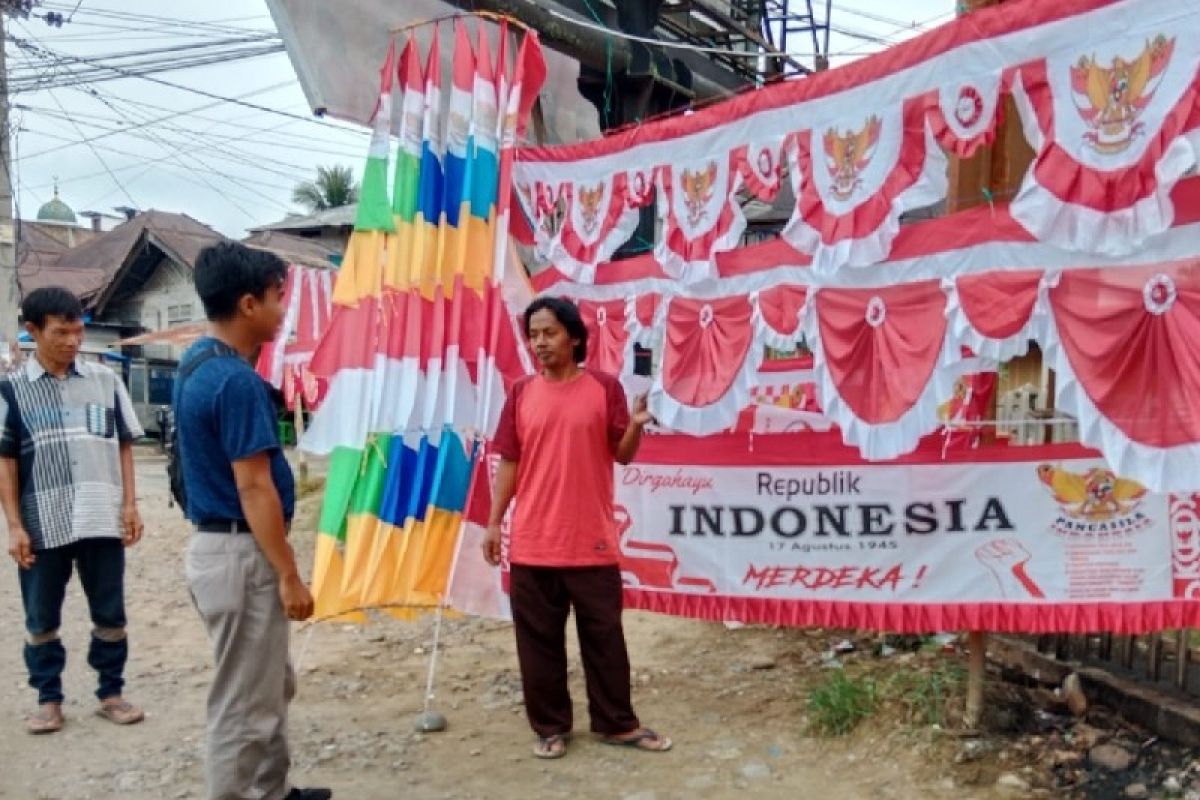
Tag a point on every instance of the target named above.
point(841, 702)
point(924, 692)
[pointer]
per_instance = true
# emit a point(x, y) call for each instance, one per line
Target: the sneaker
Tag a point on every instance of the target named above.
point(309, 794)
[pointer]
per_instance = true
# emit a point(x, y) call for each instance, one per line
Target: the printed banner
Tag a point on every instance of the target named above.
point(798, 531)
point(1054, 541)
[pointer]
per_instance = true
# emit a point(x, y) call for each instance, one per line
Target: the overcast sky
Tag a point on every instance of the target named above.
point(230, 166)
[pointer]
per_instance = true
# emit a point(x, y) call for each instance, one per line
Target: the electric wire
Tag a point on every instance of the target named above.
point(210, 95)
point(96, 153)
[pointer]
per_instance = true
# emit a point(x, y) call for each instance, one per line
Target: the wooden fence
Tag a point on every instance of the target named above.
point(1166, 659)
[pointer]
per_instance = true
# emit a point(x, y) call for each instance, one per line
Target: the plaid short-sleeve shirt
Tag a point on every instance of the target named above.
point(65, 434)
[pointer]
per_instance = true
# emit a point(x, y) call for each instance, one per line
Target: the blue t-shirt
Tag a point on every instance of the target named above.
point(223, 413)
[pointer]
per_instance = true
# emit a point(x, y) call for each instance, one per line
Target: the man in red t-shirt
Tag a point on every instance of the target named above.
point(559, 434)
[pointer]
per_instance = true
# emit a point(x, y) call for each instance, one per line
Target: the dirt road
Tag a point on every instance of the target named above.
point(733, 700)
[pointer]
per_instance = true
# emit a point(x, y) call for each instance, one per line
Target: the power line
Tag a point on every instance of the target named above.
point(158, 31)
point(227, 140)
point(216, 140)
point(196, 158)
point(96, 95)
point(146, 166)
point(918, 26)
point(722, 51)
point(891, 21)
point(167, 60)
point(143, 19)
point(207, 142)
point(233, 123)
point(869, 38)
point(175, 48)
point(103, 32)
point(174, 153)
point(69, 78)
point(172, 114)
point(141, 161)
point(210, 95)
point(28, 82)
point(96, 153)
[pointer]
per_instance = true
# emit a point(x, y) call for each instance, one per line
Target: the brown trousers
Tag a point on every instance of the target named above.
point(541, 598)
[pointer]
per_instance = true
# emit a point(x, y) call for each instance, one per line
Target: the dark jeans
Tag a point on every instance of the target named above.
point(101, 565)
point(542, 597)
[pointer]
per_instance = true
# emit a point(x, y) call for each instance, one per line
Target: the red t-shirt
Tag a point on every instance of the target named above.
point(562, 435)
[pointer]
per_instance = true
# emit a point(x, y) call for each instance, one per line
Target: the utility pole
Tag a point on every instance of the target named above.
point(9, 292)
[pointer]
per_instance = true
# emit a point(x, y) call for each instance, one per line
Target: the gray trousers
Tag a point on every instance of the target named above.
point(237, 594)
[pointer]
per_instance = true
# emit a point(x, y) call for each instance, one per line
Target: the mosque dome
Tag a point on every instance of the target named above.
point(56, 211)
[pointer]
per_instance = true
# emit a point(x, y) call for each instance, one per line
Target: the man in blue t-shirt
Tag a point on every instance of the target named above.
point(240, 495)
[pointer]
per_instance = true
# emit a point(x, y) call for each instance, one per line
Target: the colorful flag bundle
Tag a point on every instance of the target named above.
point(421, 342)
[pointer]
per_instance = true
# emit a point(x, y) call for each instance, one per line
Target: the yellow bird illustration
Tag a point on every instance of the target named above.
point(1067, 487)
point(1116, 95)
point(589, 206)
point(1096, 494)
point(848, 154)
point(698, 188)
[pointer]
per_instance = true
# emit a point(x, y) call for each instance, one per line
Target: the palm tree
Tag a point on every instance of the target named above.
point(333, 187)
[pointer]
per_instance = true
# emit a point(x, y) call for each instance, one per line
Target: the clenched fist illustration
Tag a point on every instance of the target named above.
point(1006, 559)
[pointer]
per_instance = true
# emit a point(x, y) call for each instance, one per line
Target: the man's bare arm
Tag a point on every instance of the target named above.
point(131, 520)
point(502, 495)
point(19, 545)
point(264, 512)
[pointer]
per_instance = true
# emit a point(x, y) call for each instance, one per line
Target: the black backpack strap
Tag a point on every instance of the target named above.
point(171, 437)
point(195, 363)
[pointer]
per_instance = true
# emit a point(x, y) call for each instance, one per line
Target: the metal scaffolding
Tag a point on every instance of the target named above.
point(754, 26)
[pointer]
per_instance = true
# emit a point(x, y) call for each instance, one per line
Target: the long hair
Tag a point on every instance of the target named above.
point(567, 314)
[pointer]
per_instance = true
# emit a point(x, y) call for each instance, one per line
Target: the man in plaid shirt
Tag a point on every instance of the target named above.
point(66, 486)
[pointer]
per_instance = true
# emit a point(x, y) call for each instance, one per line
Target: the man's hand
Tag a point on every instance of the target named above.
point(20, 547)
point(297, 600)
point(641, 415)
point(131, 522)
point(491, 545)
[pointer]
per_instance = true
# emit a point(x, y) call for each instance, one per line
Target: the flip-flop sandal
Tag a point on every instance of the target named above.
point(645, 739)
point(44, 721)
point(121, 712)
point(554, 746)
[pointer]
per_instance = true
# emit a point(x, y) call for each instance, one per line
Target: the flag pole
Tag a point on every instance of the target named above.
point(429, 720)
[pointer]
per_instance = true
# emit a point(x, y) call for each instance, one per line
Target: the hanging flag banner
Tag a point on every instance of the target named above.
point(1016, 539)
point(285, 362)
point(1107, 93)
point(887, 354)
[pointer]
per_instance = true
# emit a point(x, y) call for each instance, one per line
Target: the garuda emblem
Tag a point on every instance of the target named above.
point(1097, 494)
point(549, 208)
point(589, 207)
point(1112, 98)
point(698, 188)
point(848, 154)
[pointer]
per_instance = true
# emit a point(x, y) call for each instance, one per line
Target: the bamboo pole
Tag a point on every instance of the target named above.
point(976, 647)
point(301, 458)
point(1182, 651)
